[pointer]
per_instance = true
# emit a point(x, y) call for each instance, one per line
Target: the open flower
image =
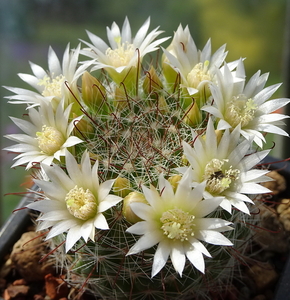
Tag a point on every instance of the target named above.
point(47, 135)
point(50, 84)
point(226, 166)
point(177, 223)
point(74, 202)
point(196, 68)
point(124, 52)
point(246, 105)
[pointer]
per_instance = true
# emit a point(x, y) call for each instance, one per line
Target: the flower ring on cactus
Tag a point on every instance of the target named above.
point(177, 222)
point(74, 202)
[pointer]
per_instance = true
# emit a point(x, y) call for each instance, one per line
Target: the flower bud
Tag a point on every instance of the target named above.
point(219, 134)
point(152, 82)
point(93, 92)
point(128, 78)
point(193, 115)
point(82, 127)
point(121, 99)
point(162, 104)
point(133, 197)
point(171, 76)
point(174, 180)
point(121, 187)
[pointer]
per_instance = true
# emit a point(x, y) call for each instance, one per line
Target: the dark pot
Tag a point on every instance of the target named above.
point(16, 224)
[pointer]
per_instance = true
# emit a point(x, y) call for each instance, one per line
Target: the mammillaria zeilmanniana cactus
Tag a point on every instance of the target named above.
point(147, 171)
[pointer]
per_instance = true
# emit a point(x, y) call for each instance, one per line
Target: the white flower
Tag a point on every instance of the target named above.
point(177, 223)
point(196, 68)
point(226, 166)
point(123, 51)
point(50, 84)
point(247, 105)
point(74, 202)
point(46, 135)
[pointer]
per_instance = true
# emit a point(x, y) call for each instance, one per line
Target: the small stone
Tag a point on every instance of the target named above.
point(284, 218)
point(19, 282)
point(26, 255)
point(6, 268)
point(16, 291)
point(284, 205)
point(264, 275)
point(278, 185)
point(271, 235)
point(56, 288)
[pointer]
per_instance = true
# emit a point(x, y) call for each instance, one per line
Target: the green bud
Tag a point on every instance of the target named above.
point(93, 92)
point(174, 180)
point(133, 197)
point(152, 82)
point(121, 187)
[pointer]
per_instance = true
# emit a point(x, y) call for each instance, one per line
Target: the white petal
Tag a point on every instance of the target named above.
point(207, 206)
point(213, 237)
point(177, 256)
point(73, 235)
point(147, 241)
point(138, 228)
point(88, 230)
point(196, 258)
point(142, 210)
point(160, 257)
point(61, 227)
point(211, 223)
point(100, 222)
point(253, 188)
point(108, 202)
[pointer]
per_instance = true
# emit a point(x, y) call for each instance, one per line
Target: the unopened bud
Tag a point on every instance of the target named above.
point(133, 197)
point(93, 92)
point(193, 115)
point(174, 180)
point(82, 127)
point(218, 133)
point(152, 82)
point(121, 187)
point(120, 99)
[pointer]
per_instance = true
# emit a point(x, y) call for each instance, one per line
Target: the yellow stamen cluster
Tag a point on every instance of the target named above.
point(52, 86)
point(218, 179)
point(49, 139)
point(198, 74)
point(122, 55)
point(240, 110)
point(81, 203)
point(177, 224)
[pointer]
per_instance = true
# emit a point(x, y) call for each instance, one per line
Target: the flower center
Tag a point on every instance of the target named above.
point(81, 203)
point(52, 86)
point(240, 110)
point(198, 74)
point(49, 139)
point(177, 224)
point(218, 179)
point(122, 55)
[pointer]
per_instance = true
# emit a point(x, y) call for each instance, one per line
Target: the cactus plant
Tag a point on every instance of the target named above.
point(147, 170)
